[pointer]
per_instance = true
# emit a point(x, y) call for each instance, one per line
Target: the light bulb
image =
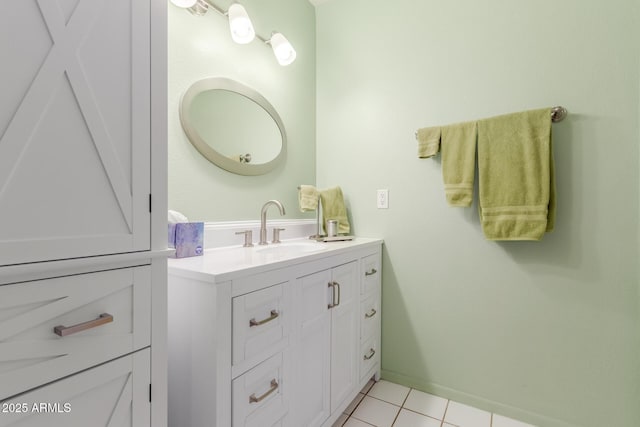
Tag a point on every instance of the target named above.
point(184, 3)
point(282, 49)
point(240, 26)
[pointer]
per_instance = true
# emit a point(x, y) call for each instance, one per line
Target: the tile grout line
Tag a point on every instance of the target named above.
point(446, 408)
point(401, 407)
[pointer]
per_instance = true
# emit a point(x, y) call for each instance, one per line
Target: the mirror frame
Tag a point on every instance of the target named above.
point(207, 151)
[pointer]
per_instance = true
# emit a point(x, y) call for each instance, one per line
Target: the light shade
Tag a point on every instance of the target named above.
point(240, 25)
point(184, 3)
point(282, 49)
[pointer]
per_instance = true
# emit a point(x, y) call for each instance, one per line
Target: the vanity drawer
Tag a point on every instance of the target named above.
point(115, 393)
point(55, 327)
point(370, 270)
point(369, 317)
point(261, 396)
point(369, 357)
point(260, 322)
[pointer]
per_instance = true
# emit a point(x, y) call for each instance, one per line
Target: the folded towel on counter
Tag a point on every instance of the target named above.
point(308, 198)
point(428, 142)
point(333, 207)
point(458, 162)
point(516, 176)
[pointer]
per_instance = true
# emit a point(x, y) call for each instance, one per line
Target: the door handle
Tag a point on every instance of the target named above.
point(334, 286)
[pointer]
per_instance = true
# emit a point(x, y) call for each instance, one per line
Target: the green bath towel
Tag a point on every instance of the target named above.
point(516, 176)
point(333, 207)
point(308, 198)
point(428, 142)
point(458, 162)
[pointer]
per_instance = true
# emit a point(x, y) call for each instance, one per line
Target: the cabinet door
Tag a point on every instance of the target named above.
point(74, 129)
point(344, 333)
point(115, 394)
point(312, 393)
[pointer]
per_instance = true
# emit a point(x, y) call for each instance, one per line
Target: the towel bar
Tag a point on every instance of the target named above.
point(557, 115)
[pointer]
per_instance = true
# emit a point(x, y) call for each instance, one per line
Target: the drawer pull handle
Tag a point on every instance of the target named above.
point(370, 314)
point(274, 387)
point(372, 353)
point(63, 331)
point(274, 315)
point(370, 272)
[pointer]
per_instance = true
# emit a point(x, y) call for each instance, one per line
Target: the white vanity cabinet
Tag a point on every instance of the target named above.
point(261, 341)
point(82, 240)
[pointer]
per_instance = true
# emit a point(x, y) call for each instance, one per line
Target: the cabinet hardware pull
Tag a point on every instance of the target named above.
point(372, 353)
point(370, 314)
point(63, 331)
point(274, 387)
point(370, 272)
point(332, 285)
point(253, 322)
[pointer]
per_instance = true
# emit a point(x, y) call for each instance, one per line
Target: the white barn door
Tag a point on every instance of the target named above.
point(74, 128)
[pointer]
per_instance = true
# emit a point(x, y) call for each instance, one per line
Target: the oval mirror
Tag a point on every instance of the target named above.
point(233, 126)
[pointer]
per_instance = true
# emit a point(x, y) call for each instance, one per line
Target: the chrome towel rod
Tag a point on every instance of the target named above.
point(557, 115)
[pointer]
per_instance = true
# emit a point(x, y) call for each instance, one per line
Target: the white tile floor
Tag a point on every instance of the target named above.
point(385, 404)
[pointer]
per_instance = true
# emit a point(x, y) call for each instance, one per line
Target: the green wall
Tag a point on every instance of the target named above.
point(542, 331)
point(201, 47)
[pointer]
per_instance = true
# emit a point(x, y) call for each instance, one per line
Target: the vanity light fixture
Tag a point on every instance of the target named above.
point(196, 7)
point(240, 25)
point(241, 28)
point(282, 49)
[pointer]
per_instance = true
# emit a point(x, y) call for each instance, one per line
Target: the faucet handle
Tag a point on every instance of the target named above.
point(248, 238)
point(276, 235)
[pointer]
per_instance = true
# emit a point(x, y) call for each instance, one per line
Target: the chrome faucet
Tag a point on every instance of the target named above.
point(263, 219)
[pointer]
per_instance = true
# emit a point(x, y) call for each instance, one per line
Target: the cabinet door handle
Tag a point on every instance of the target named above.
point(274, 387)
point(372, 353)
point(370, 314)
point(370, 272)
point(332, 285)
point(253, 322)
point(63, 331)
point(334, 303)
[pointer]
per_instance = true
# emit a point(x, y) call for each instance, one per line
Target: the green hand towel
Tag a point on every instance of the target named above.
point(308, 198)
point(516, 179)
point(458, 162)
point(333, 208)
point(428, 142)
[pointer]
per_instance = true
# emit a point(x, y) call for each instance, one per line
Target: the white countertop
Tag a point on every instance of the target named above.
point(226, 263)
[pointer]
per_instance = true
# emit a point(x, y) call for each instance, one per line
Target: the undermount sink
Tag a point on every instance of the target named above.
point(291, 249)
